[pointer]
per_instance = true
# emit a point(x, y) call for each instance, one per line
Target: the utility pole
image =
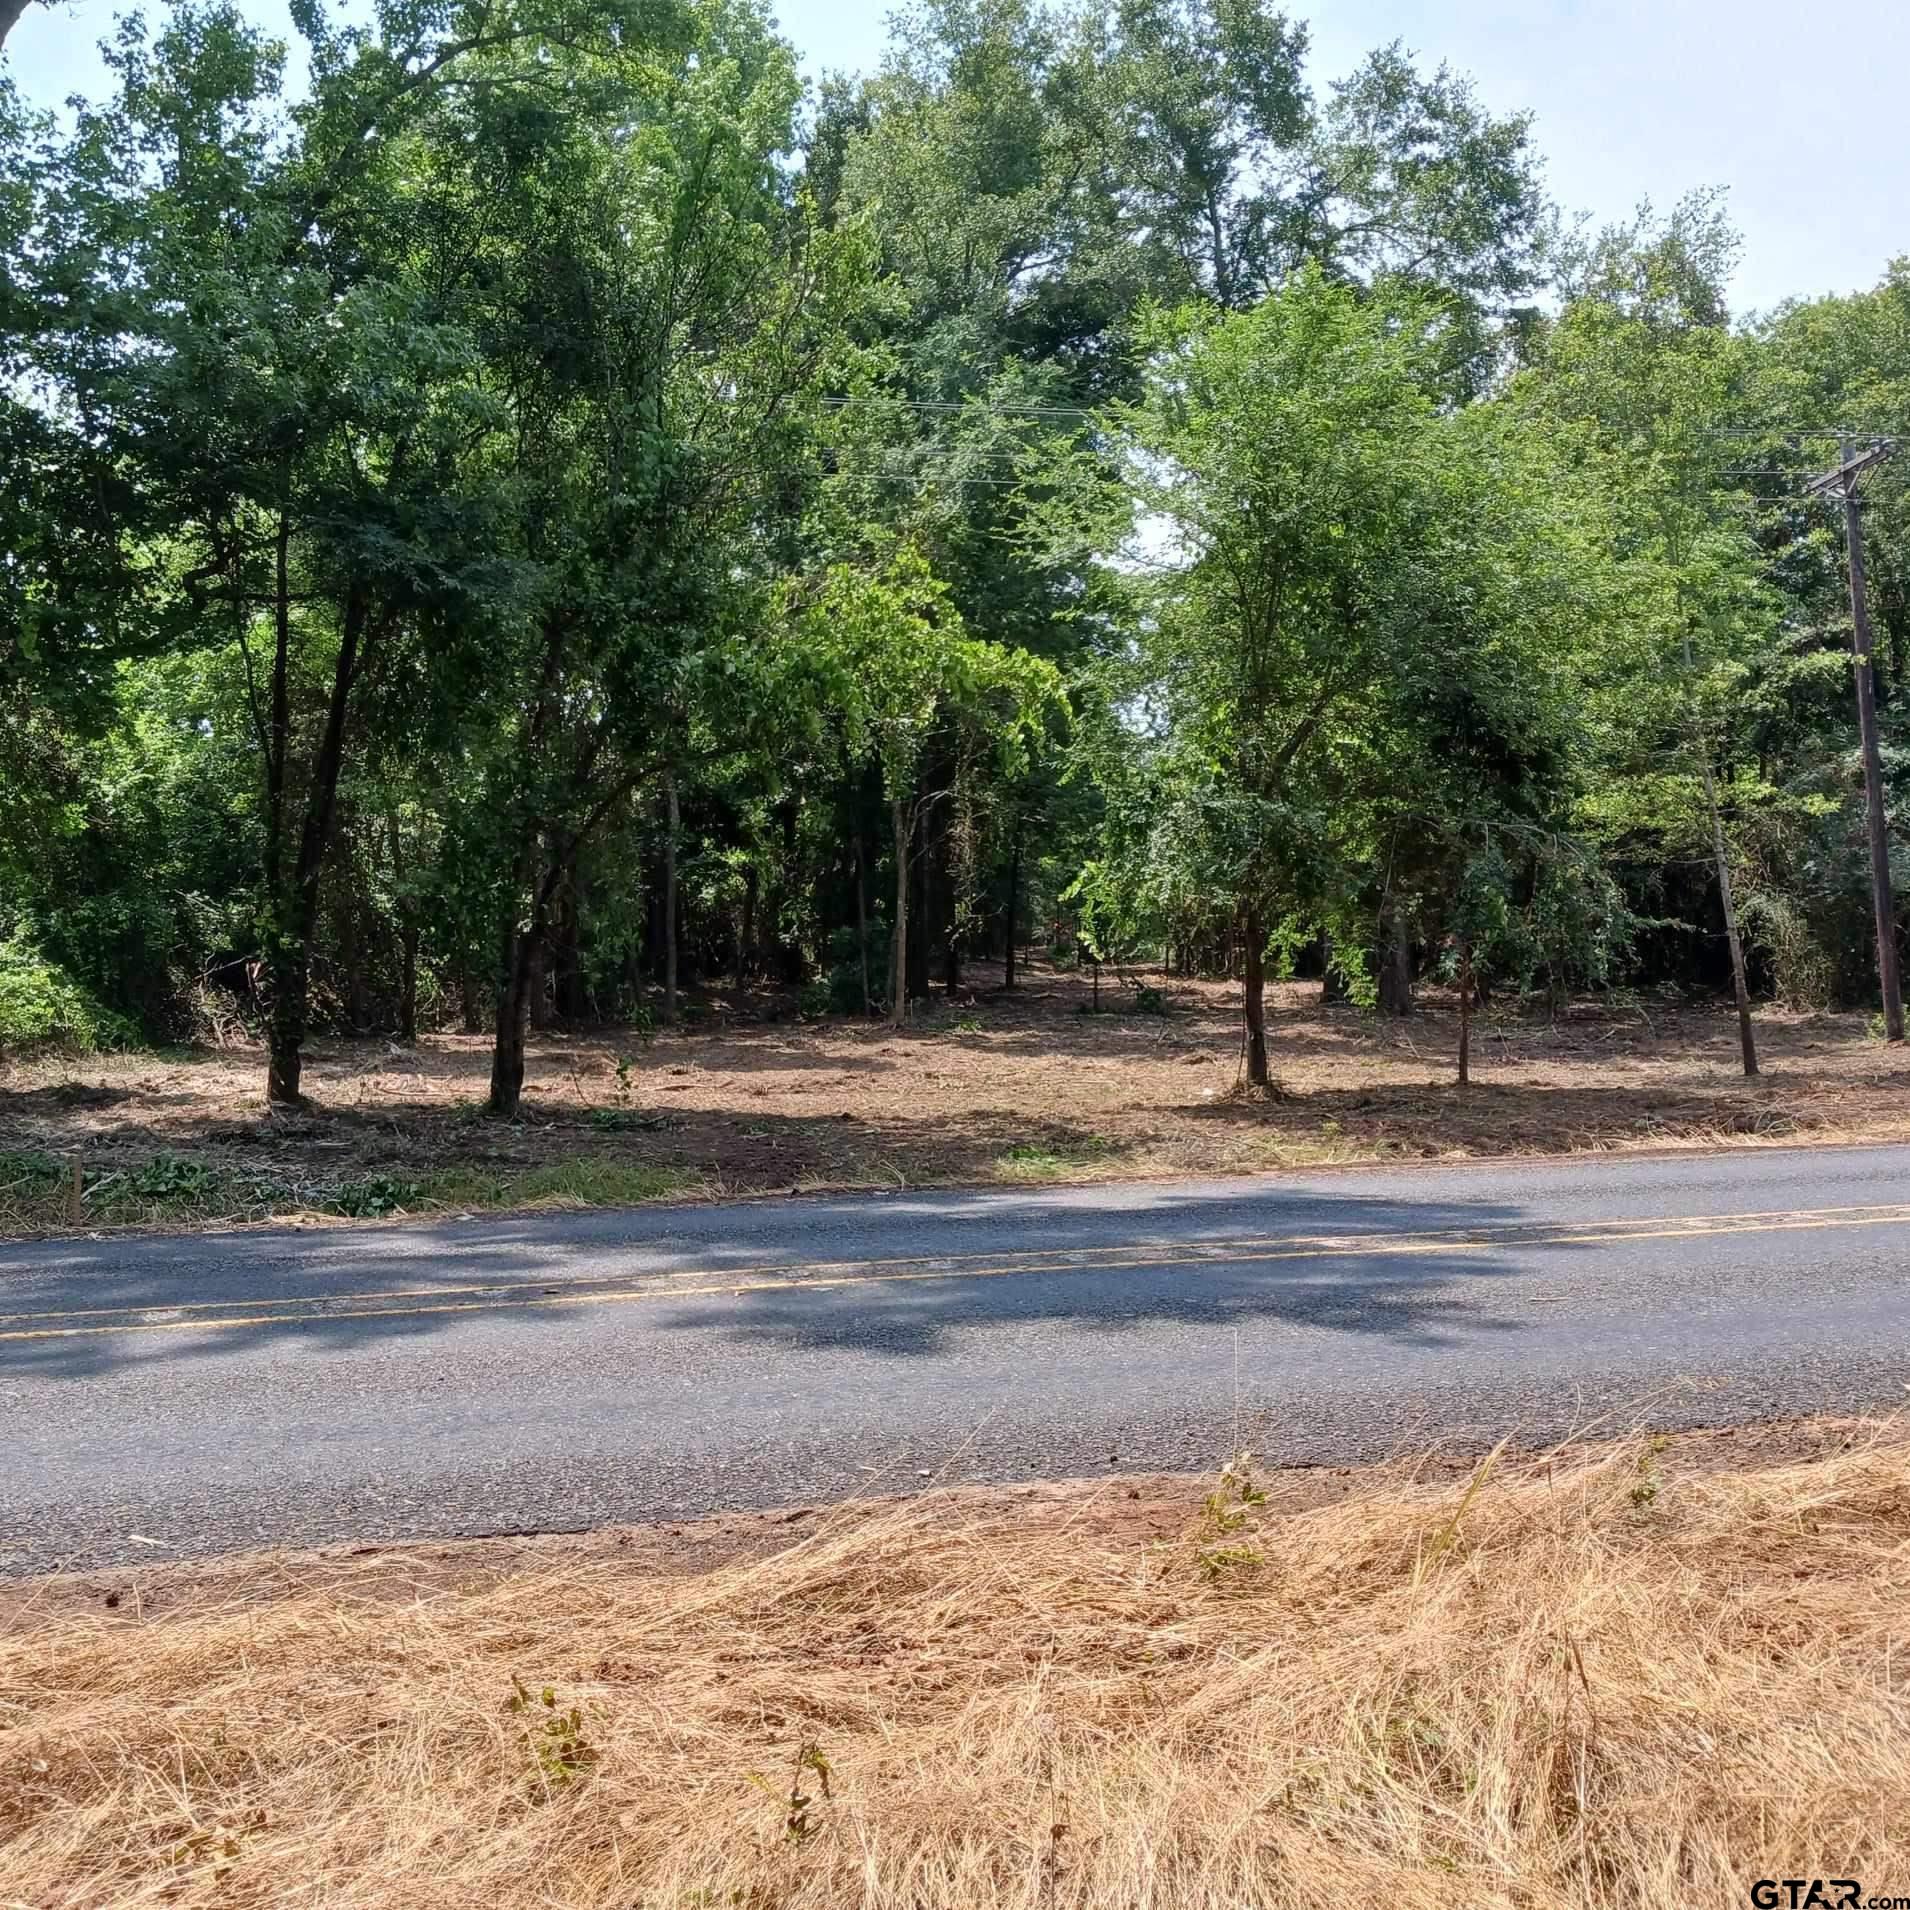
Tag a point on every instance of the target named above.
point(1842, 483)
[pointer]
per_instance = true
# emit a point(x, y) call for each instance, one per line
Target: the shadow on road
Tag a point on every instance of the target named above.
point(400, 1285)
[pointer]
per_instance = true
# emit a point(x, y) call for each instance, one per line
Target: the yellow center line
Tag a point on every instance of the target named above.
point(1007, 1260)
point(320, 1308)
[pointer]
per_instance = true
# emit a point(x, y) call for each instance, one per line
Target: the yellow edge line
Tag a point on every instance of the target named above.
point(956, 1266)
point(1390, 1248)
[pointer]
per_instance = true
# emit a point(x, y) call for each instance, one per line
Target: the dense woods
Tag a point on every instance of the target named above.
point(526, 512)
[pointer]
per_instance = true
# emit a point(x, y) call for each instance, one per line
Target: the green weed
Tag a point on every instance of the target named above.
point(554, 1736)
point(589, 1180)
point(375, 1197)
point(799, 1805)
point(1224, 1514)
point(628, 1121)
point(28, 1171)
point(166, 1177)
point(1041, 1160)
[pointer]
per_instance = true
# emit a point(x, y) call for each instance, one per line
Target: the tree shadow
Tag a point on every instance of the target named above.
point(1492, 1118)
point(1403, 1300)
point(81, 1309)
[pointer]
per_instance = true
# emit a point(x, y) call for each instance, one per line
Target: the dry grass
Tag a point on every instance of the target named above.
point(1008, 1089)
point(1593, 1681)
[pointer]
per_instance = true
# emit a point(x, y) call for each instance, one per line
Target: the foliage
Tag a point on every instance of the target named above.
point(374, 1197)
point(546, 518)
point(554, 1735)
point(42, 1003)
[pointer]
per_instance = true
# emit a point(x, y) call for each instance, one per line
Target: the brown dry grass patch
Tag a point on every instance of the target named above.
point(1592, 1680)
point(1006, 1089)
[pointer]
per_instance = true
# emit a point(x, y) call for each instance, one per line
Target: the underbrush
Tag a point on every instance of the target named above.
point(1577, 1683)
point(40, 1003)
point(37, 1193)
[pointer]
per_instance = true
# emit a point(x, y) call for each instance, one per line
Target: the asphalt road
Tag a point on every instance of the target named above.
point(161, 1398)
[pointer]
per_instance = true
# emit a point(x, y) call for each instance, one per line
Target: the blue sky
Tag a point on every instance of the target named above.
point(1796, 110)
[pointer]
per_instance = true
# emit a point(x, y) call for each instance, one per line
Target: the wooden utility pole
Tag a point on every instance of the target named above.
point(1842, 482)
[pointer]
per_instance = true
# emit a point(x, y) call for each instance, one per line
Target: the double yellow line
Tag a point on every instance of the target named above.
point(519, 1295)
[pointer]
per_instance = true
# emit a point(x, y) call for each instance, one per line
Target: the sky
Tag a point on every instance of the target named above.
point(1796, 111)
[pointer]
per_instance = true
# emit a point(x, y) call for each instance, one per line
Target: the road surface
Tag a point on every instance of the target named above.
point(161, 1398)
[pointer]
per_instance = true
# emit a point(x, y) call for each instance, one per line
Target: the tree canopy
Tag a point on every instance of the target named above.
point(552, 506)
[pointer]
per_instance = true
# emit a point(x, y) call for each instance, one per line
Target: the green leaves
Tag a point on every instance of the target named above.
point(1359, 619)
point(892, 660)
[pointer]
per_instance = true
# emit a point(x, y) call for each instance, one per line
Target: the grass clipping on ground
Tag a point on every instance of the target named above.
point(1576, 1682)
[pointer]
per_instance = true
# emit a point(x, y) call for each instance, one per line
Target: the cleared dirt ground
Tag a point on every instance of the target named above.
point(1645, 1673)
point(1033, 1086)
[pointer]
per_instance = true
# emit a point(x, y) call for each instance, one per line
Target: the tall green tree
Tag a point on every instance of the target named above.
point(274, 360)
point(662, 313)
point(1338, 595)
point(1642, 380)
point(897, 664)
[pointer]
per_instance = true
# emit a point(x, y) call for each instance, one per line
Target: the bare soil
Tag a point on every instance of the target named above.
point(1120, 1509)
point(993, 1088)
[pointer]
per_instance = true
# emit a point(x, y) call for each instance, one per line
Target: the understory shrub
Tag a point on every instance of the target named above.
point(40, 1002)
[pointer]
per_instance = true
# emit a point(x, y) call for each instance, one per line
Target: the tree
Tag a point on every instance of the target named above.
point(10, 12)
point(265, 335)
point(895, 661)
point(1640, 367)
point(508, 528)
point(662, 310)
point(1278, 460)
point(1358, 630)
point(1221, 168)
point(1824, 369)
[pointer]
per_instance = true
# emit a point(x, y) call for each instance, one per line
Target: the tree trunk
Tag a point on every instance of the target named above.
point(899, 954)
point(295, 906)
point(746, 935)
point(569, 993)
point(521, 951)
point(1465, 1012)
point(518, 946)
point(537, 993)
point(288, 976)
point(788, 962)
point(1014, 904)
point(408, 983)
point(513, 1015)
point(1256, 1001)
point(1332, 982)
point(520, 973)
point(348, 940)
point(862, 915)
point(950, 887)
point(916, 968)
point(407, 934)
point(1740, 985)
point(470, 1000)
point(672, 823)
point(1396, 967)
